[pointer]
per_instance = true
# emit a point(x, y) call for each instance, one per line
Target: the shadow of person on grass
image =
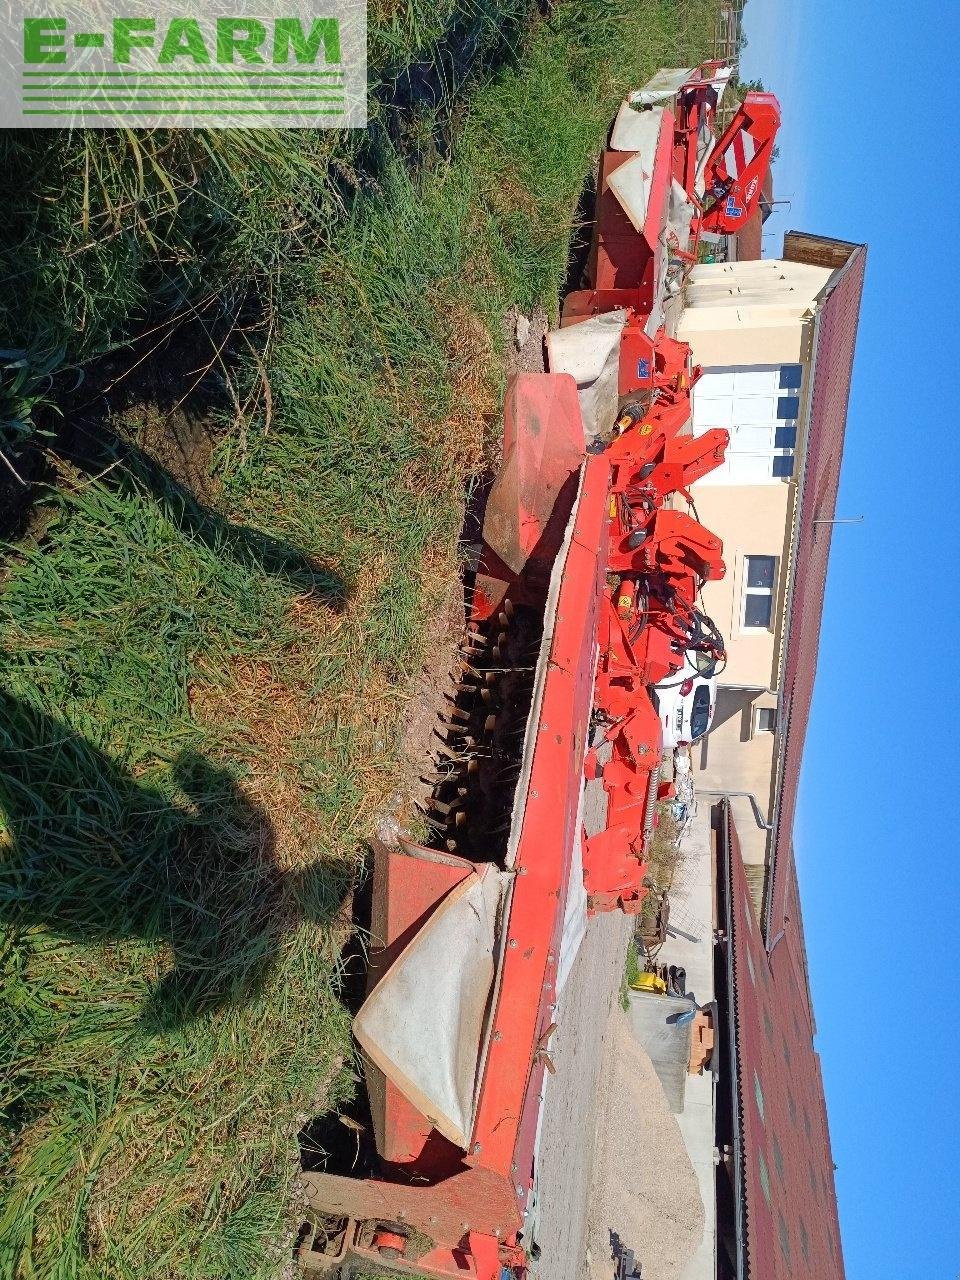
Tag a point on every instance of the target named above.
point(96, 855)
point(127, 469)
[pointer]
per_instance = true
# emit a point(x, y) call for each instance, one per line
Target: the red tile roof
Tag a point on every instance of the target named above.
point(835, 338)
point(789, 1219)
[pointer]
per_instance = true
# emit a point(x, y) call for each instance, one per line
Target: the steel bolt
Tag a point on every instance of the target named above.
point(512, 943)
point(497, 1036)
point(520, 1191)
point(476, 1148)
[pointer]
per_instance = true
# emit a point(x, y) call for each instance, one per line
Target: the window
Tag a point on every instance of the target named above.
point(759, 405)
point(785, 437)
point(761, 572)
point(766, 720)
point(778, 1157)
point(782, 468)
point(700, 713)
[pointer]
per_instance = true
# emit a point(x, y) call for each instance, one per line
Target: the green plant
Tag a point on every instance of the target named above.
point(631, 973)
point(24, 384)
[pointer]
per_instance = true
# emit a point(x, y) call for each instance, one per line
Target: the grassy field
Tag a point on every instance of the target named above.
point(203, 706)
point(110, 233)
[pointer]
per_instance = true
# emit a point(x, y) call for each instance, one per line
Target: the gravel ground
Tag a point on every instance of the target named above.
point(644, 1188)
point(570, 1112)
point(612, 1158)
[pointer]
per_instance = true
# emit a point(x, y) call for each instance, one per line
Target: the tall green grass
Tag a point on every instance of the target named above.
point(203, 713)
point(106, 231)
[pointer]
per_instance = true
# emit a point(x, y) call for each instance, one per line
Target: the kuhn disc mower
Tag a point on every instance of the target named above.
point(664, 179)
point(547, 776)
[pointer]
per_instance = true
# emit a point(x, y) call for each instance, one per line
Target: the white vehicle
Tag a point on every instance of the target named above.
point(686, 700)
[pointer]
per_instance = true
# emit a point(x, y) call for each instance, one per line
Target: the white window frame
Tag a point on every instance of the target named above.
point(746, 591)
point(758, 714)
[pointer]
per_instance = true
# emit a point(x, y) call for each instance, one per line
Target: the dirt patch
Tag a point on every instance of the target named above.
point(525, 335)
point(466, 440)
point(435, 684)
point(274, 716)
point(162, 396)
point(645, 1195)
point(156, 406)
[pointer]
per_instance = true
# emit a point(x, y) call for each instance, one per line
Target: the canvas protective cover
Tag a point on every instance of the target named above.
point(423, 1023)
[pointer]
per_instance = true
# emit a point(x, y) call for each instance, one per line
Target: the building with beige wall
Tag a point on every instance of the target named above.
point(763, 333)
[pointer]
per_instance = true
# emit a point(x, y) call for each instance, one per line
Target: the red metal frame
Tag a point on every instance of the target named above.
point(543, 447)
point(738, 164)
point(472, 1206)
point(513, 1076)
point(481, 1195)
point(409, 882)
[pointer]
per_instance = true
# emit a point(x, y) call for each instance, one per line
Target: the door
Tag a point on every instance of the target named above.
point(758, 405)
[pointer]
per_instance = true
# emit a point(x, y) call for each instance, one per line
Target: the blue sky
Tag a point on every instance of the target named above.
point(867, 92)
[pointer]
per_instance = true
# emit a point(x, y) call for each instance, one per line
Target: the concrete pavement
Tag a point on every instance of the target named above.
point(570, 1109)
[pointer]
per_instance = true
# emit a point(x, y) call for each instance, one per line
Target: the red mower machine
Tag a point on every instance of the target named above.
point(547, 772)
point(664, 179)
